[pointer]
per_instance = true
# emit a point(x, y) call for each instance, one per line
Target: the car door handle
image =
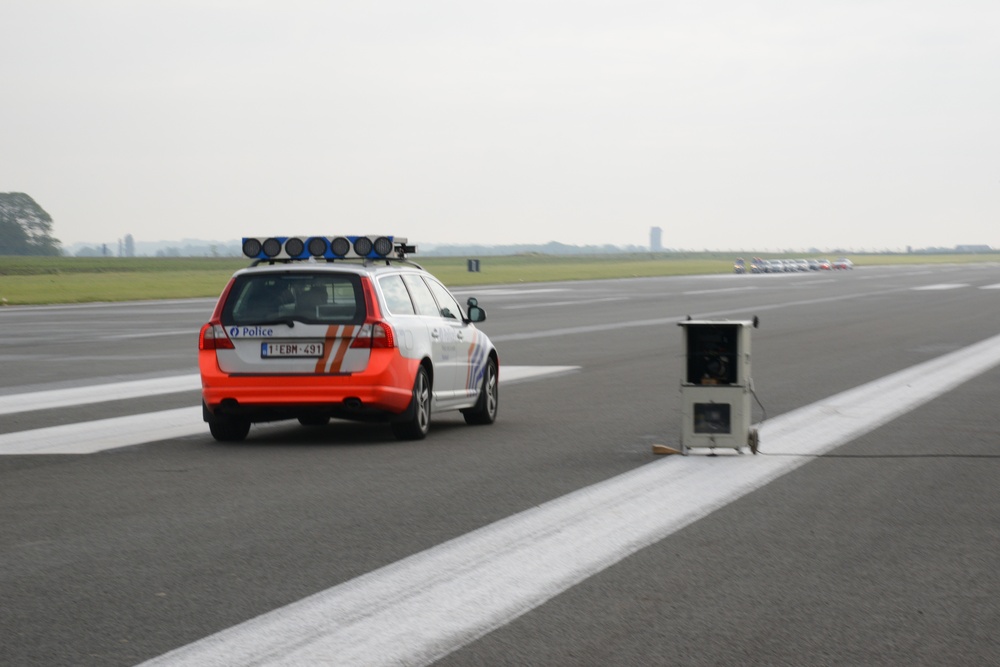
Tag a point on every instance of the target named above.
point(460, 335)
point(435, 333)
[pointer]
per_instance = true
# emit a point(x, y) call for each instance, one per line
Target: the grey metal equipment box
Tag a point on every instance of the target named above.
point(717, 387)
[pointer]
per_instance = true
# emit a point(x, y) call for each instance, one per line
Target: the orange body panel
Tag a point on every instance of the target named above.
point(386, 384)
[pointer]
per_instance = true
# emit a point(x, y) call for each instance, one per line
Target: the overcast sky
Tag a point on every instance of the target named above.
point(729, 123)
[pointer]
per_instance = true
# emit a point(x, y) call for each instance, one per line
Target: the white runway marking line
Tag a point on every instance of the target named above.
point(60, 398)
point(720, 290)
point(512, 374)
point(551, 304)
point(502, 291)
point(997, 286)
point(103, 434)
point(422, 608)
point(674, 319)
point(941, 286)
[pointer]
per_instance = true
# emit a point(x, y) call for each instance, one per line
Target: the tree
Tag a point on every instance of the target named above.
point(88, 251)
point(25, 228)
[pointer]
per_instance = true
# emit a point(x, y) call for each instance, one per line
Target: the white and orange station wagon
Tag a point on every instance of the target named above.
point(342, 327)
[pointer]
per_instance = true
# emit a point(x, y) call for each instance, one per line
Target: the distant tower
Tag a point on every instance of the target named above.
point(129, 246)
point(655, 239)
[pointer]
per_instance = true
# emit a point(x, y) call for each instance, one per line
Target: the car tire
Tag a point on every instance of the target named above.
point(228, 429)
point(415, 422)
point(485, 409)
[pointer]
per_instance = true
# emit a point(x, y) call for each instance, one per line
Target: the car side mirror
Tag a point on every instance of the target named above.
point(476, 314)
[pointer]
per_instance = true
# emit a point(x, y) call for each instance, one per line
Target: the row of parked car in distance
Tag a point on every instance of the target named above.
point(758, 265)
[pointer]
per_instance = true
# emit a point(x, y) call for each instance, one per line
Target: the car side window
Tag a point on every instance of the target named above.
point(449, 307)
point(397, 299)
point(423, 300)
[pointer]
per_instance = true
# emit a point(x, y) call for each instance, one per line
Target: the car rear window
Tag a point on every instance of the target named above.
point(312, 297)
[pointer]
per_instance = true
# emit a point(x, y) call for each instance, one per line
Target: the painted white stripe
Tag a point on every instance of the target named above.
point(150, 334)
point(941, 286)
point(60, 398)
point(672, 320)
point(199, 305)
point(420, 609)
point(504, 291)
point(997, 286)
point(551, 304)
point(103, 434)
point(512, 374)
point(719, 291)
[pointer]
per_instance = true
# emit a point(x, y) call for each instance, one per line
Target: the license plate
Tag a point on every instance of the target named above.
point(268, 350)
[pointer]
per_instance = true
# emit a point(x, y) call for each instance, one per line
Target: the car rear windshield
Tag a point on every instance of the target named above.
point(312, 297)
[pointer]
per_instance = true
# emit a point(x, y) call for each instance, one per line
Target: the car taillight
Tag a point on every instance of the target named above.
point(213, 337)
point(371, 303)
point(374, 335)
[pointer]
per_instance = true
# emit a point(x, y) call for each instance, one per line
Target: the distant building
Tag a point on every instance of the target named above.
point(973, 248)
point(655, 239)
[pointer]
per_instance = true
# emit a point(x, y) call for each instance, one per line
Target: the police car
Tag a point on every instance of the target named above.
point(342, 327)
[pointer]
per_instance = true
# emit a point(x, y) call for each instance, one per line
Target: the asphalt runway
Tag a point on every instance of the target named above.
point(878, 550)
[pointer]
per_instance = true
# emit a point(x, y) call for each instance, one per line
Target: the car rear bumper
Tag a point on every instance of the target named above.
point(385, 388)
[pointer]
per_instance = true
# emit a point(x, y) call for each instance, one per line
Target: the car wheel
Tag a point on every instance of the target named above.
point(485, 409)
point(416, 420)
point(228, 429)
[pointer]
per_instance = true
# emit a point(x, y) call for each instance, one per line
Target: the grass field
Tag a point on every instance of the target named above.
point(48, 280)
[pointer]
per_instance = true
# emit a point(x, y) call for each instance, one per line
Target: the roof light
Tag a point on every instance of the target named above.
point(362, 245)
point(294, 246)
point(325, 247)
point(340, 246)
point(251, 247)
point(271, 247)
point(382, 246)
point(317, 246)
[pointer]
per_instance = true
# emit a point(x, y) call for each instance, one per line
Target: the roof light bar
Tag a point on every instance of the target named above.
point(322, 247)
